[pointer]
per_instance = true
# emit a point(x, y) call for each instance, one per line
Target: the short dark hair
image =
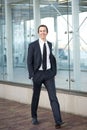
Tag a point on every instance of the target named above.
point(43, 26)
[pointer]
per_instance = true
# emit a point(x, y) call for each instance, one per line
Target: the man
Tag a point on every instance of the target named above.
point(42, 70)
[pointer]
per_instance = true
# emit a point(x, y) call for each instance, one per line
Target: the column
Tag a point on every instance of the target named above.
point(56, 44)
point(8, 22)
point(36, 10)
point(76, 43)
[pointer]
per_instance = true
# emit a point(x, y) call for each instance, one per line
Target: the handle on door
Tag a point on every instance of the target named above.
point(72, 80)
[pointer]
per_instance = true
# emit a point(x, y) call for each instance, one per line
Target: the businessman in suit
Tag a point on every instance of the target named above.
point(42, 70)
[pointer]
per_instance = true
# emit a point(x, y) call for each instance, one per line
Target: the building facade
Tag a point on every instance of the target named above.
point(67, 24)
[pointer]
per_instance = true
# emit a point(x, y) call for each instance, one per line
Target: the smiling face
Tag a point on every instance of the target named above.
point(42, 31)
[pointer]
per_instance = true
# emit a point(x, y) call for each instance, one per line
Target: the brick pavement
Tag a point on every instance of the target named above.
point(16, 116)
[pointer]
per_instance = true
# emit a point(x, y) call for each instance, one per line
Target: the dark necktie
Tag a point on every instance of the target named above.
point(44, 57)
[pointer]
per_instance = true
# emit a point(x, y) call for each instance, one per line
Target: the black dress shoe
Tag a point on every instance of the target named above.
point(35, 121)
point(58, 126)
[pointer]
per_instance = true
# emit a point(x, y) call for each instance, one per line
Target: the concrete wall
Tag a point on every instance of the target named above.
point(71, 103)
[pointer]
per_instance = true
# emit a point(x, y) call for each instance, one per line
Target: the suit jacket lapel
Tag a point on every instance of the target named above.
point(38, 50)
point(38, 47)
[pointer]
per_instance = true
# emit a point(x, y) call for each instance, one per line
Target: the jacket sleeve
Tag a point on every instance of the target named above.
point(30, 61)
point(53, 64)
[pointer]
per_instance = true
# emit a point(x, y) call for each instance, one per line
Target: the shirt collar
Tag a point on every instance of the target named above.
point(41, 41)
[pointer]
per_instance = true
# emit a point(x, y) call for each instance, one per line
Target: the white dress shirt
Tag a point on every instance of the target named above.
point(41, 43)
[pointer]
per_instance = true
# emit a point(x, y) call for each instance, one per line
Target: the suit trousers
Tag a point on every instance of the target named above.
point(44, 77)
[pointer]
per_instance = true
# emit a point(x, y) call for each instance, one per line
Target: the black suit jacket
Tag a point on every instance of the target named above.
point(34, 59)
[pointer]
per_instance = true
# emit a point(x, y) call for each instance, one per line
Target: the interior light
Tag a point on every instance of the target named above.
point(62, 1)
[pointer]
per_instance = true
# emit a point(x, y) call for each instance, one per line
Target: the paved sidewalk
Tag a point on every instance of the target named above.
point(16, 116)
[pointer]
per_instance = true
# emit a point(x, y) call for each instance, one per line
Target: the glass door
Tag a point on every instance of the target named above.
point(66, 21)
point(64, 60)
point(22, 31)
point(57, 16)
point(83, 44)
point(3, 61)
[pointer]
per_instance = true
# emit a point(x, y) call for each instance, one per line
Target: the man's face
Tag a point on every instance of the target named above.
point(42, 33)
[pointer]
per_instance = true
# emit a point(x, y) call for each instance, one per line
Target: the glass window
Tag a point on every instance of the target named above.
point(67, 24)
